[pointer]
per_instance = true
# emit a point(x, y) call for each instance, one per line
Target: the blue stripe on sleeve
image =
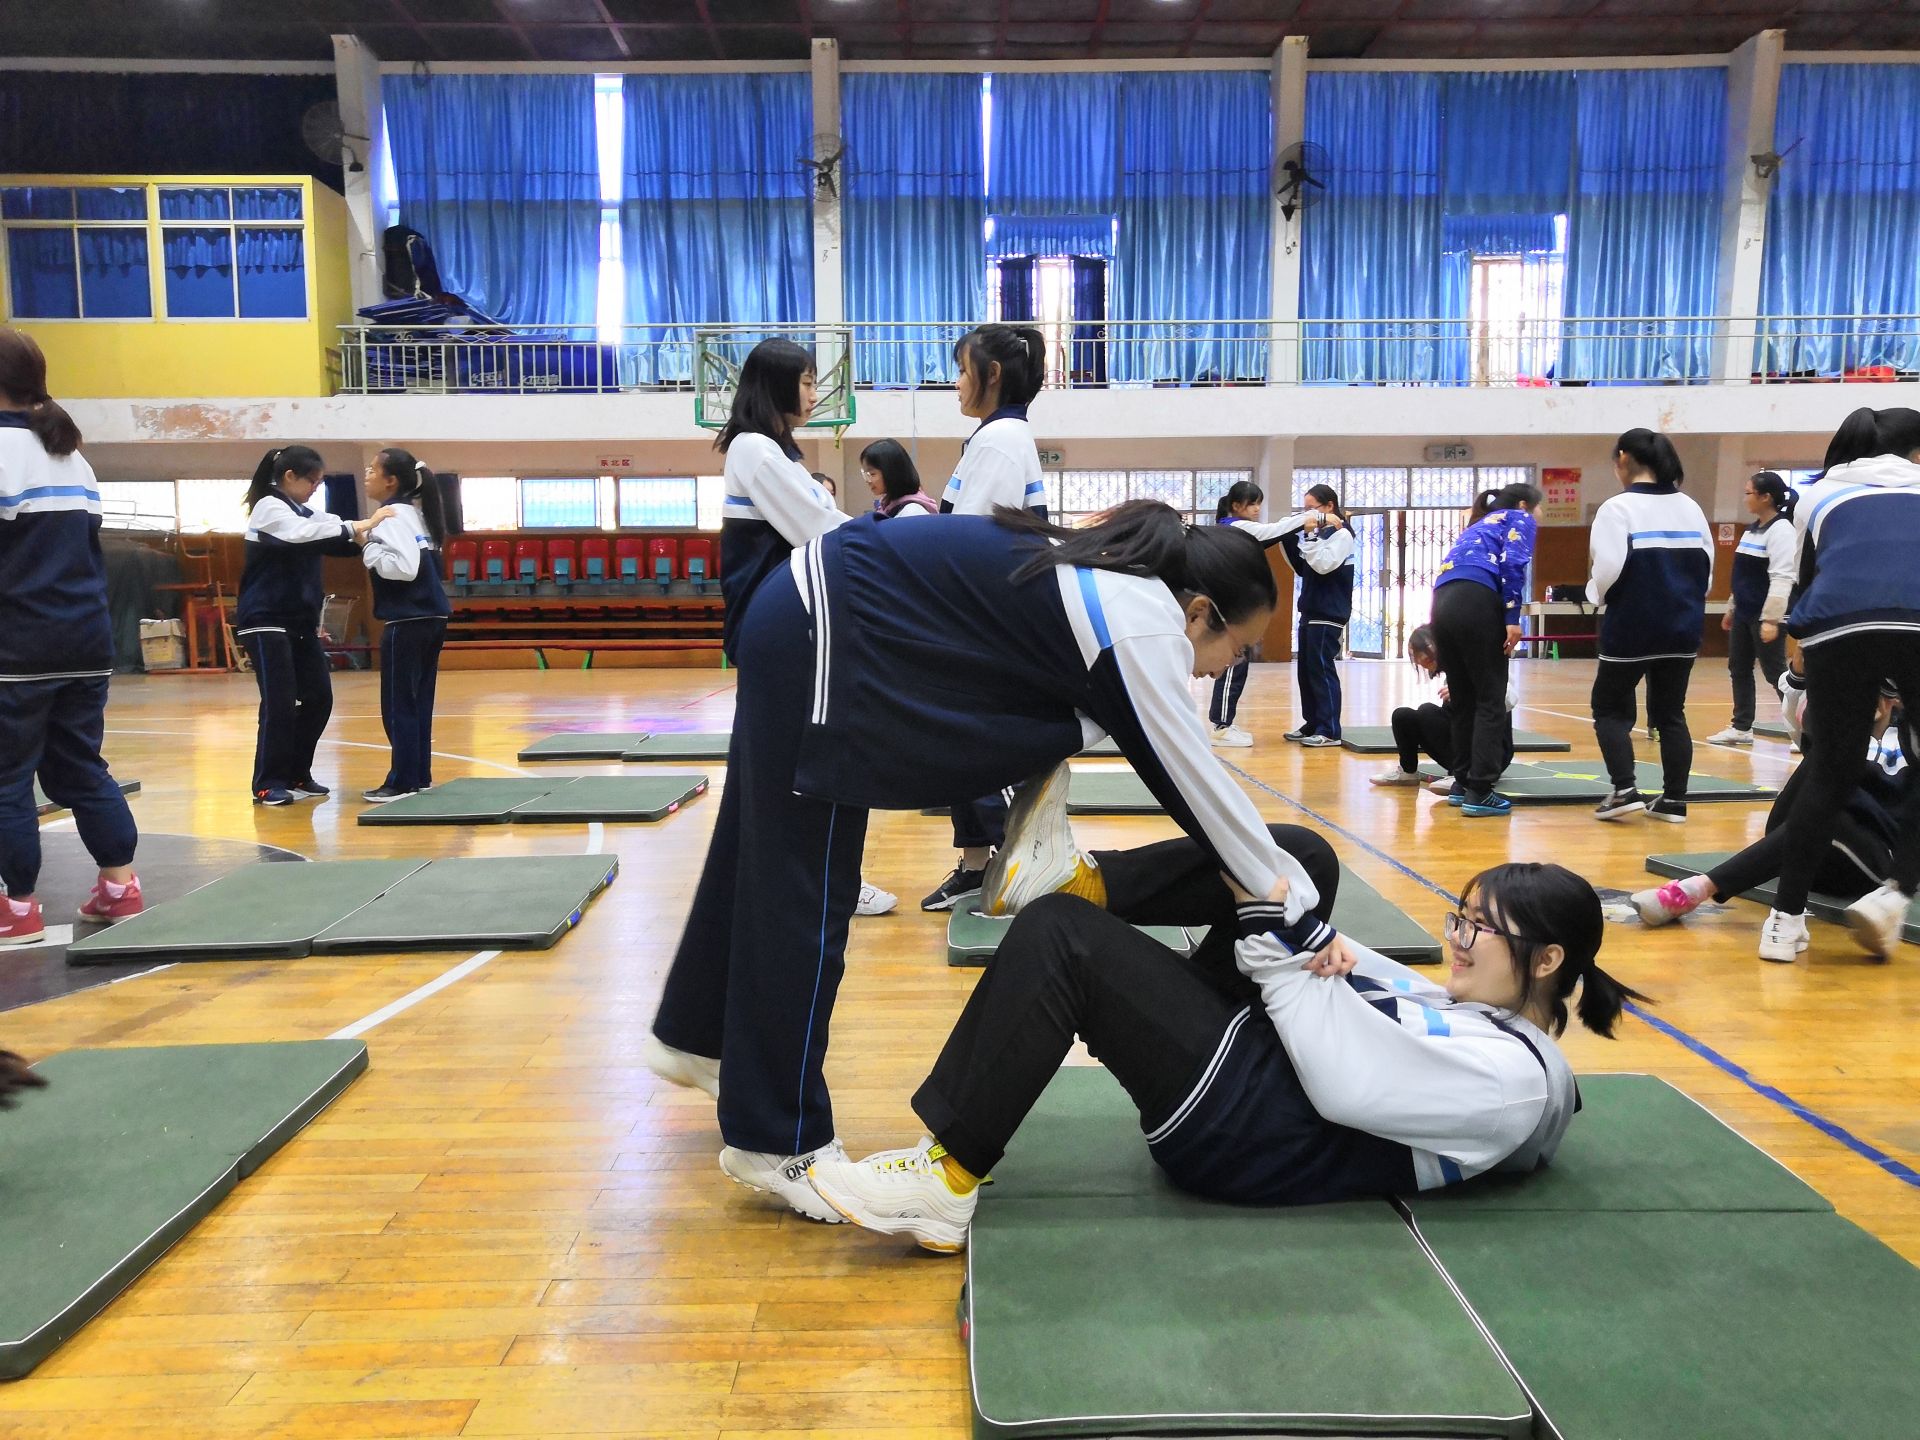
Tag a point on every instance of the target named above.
point(1096, 613)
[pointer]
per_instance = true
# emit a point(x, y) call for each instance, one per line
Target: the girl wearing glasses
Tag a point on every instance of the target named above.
point(1003, 645)
point(1272, 1068)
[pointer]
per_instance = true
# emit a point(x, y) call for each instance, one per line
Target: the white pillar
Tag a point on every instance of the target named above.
point(1753, 94)
point(1289, 128)
point(829, 293)
point(357, 76)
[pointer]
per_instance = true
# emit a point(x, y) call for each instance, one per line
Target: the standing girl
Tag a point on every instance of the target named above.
point(1004, 646)
point(56, 652)
point(1321, 553)
point(895, 481)
point(277, 618)
point(1652, 564)
point(403, 552)
point(1762, 580)
point(1001, 369)
point(1240, 505)
point(1476, 624)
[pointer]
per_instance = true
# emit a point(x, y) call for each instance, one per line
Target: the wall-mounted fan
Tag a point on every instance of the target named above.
point(1299, 177)
point(824, 162)
point(327, 138)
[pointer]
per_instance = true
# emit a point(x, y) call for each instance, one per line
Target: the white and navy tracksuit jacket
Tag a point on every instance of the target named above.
point(53, 580)
point(1322, 558)
point(1857, 570)
point(1763, 570)
point(920, 630)
point(281, 586)
point(1455, 1088)
point(1652, 554)
point(772, 504)
point(406, 577)
point(999, 465)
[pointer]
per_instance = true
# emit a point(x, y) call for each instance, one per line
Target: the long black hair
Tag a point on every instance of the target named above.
point(1779, 494)
point(1653, 452)
point(1145, 537)
point(416, 487)
point(1420, 641)
point(23, 375)
point(1546, 905)
point(1019, 350)
point(898, 475)
point(302, 460)
point(1241, 492)
point(1520, 492)
point(1327, 495)
point(768, 392)
point(1899, 431)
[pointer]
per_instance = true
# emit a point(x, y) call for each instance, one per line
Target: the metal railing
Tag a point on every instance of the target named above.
point(1155, 354)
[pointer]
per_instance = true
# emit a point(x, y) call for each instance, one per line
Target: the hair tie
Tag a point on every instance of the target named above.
point(421, 466)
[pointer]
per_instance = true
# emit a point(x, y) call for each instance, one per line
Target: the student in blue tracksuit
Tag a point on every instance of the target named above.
point(403, 552)
point(1762, 581)
point(1476, 624)
point(277, 618)
point(1652, 557)
point(1321, 553)
point(56, 652)
point(1001, 368)
point(1004, 646)
point(1240, 505)
point(1264, 1073)
point(1856, 615)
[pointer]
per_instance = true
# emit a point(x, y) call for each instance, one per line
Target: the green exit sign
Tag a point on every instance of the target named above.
point(1053, 457)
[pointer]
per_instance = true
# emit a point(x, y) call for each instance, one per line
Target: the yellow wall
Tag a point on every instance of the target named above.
point(207, 359)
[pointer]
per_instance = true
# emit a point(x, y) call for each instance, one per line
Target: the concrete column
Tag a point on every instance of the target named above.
point(1273, 473)
point(1753, 94)
point(1289, 128)
point(829, 292)
point(357, 75)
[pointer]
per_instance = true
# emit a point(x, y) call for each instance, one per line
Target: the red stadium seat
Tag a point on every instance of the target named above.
point(495, 558)
point(596, 561)
point(563, 563)
point(529, 562)
point(697, 556)
point(463, 562)
point(663, 560)
point(629, 554)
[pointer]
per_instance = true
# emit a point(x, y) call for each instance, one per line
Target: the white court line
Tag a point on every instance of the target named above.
point(596, 837)
point(348, 744)
point(414, 997)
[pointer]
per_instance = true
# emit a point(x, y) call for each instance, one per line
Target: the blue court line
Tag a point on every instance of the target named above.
point(1894, 1166)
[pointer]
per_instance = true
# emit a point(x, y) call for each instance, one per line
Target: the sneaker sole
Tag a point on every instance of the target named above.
point(1622, 813)
point(1039, 836)
point(33, 939)
point(946, 904)
point(836, 1218)
point(1653, 814)
point(84, 918)
point(901, 1227)
point(1870, 937)
point(1485, 812)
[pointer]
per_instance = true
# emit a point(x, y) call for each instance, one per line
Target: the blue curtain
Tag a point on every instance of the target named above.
point(1843, 222)
point(199, 273)
point(715, 214)
point(1195, 210)
point(1051, 235)
point(1644, 232)
point(1506, 156)
point(273, 274)
point(1371, 244)
point(1016, 289)
point(913, 219)
point(1053, 163)
point(114, 274)
point(500, 173)
point(1087, 364)
point(40, 266)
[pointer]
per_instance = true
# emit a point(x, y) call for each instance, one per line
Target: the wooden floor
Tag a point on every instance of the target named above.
point(507, 1227)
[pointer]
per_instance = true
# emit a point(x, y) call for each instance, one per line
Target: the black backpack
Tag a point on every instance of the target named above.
point(409, 266)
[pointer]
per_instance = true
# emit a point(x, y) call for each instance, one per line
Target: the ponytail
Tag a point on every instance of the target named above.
point(1779, 494)
point(1019, 350)
point(1857, 438)
point(416, 487)
point(1653, 452)
point(302, 460)
point(1148, 538)
point(23, 378)
point(1898, 431)
point(1544, 905)
point(1241, 492)
point(1483, 505)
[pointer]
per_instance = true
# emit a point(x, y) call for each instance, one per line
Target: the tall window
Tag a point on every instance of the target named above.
point(1514, 306)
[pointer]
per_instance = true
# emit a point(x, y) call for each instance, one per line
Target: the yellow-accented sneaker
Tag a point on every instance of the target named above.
point(1038, 855)
point(898, 1192)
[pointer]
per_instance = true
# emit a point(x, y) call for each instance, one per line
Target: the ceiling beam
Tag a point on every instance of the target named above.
point(614, 32)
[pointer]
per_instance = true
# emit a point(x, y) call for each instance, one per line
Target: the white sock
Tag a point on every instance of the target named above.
point(1698, 888)
point(113, 891)
point(18, 907)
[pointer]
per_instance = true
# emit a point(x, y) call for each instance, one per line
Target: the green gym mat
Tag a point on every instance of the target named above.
point(1102, 1301)
point(708, 745)
point(1584, 782)
point(1770, 731)
point(1110, 792)
point(564, 798)
point(582, 745)
point(1378, 740)
point(972, 937)
point(123, 1153)
point(1102, 749)
point(1677, 1325)
point(526, 901)
point(43, 806)
point(1827, 907)
point(258, 910)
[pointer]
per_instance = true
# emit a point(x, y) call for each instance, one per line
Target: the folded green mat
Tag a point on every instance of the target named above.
point(1110, 792)
point(562, 799)
point(43, 806)
point(1378, 740)
point(583, 745)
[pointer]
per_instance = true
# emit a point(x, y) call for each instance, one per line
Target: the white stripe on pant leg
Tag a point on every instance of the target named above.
point(820, 970)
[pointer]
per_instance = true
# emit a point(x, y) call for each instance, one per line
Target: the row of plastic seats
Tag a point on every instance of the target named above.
point(659, 561)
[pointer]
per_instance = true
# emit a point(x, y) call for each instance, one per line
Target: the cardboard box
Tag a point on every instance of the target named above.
point(163, 644)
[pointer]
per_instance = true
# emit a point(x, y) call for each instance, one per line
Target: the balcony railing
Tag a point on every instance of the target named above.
point(1381, 352)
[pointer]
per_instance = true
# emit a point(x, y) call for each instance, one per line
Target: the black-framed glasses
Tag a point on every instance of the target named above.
point(1462, 931)
point(1245, 651)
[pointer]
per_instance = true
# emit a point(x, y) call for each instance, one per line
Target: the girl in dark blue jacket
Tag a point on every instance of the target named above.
point(1321, 553)
point(403, 552)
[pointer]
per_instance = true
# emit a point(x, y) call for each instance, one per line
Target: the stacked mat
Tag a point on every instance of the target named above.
point(559, 800)
point(1663, 1280)
point(644, 745)
point(524, 901)
point(1584, 782)
point(1827, 907)
point(1378, 740)
point(43, 806)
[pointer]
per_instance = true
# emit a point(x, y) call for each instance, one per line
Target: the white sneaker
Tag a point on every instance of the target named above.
point(1231, 736)
point(1441, 785)
point(1397, 776)
point(679, 1067)
point(875, 901)
point(1783, 937)
point(1038, 855)
point(1876, 920)
point(1731, 736)
point(784, 1177)
point(898, 1192)
point(1318, 742)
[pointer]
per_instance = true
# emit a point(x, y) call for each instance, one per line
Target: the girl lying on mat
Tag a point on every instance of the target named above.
point(1281, 1068)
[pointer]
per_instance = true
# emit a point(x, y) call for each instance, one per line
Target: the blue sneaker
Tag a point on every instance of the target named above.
point(1492, 803)
point(1457, 795)
point(273, 797)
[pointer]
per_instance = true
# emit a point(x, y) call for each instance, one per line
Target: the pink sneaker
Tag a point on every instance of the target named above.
point(102, 909)
point(1668, 903)
point(21, 928)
